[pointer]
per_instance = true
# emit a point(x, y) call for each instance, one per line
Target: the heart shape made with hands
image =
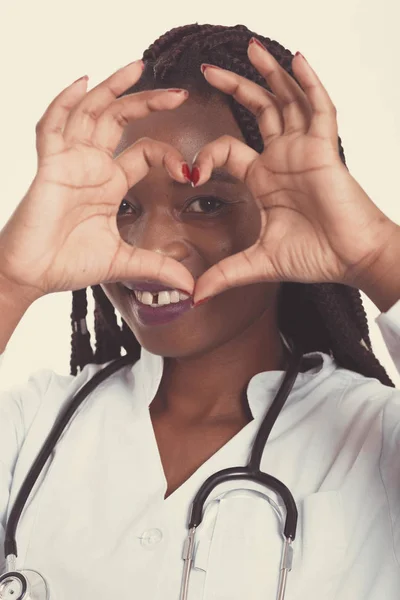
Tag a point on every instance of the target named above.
point(317, 223)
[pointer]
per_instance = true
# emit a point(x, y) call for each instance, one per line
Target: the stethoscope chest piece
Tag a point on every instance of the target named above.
point(23, 585)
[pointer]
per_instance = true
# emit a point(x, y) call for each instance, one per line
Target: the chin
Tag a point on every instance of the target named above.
point(184, 345)
point(172, 348)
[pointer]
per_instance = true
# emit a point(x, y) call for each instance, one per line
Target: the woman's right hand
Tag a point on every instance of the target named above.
point(63, 235)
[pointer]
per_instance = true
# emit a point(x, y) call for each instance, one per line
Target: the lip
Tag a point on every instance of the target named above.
point(162, 315)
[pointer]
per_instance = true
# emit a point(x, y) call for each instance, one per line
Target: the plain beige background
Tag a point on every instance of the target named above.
point(47, 44)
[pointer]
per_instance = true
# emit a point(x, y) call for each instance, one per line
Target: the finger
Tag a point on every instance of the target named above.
point(113, 121)
point(49, 129)
point(249, 266)
point(145, 154)
point(252, 96)
point(137, 264)
point(296, 110)
point(324, 116)
point(226, 152)
point(82, 120)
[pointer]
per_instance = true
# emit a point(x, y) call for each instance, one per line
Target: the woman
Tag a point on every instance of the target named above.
point(233, 186)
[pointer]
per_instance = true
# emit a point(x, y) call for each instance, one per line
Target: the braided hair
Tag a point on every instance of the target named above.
point(326, 317)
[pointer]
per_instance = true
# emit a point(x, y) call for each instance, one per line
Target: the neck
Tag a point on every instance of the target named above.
point(212, 387)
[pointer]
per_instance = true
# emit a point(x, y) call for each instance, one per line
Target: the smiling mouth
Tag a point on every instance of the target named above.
point(158, 299)
point(159, 308)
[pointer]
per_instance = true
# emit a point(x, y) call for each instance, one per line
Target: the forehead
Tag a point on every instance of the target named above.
point(188, 128)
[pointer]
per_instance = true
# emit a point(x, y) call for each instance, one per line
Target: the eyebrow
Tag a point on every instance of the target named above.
point(217, 175)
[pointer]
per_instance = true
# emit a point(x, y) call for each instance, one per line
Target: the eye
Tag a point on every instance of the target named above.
point(207, 205)
point(122, 212)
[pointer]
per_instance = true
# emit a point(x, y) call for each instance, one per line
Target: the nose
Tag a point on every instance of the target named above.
point(158, 232)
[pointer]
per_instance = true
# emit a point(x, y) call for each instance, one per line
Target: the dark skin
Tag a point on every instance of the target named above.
point(212, 351)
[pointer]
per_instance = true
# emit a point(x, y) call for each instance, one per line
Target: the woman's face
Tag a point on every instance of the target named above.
point(197, 227)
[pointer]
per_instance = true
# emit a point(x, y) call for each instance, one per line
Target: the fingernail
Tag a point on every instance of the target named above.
point(186, 172)
point(195, 176)
point(205, 66)
point(256, 41)
point(80, 78)
point(202, 301)
point(136, 62)
point(300, 54)
point(177, 91)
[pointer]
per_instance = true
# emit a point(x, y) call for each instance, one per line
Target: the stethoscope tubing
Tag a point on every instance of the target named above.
point(243, 473)
point(250, 472)
point(10, 545)
point(275, 410)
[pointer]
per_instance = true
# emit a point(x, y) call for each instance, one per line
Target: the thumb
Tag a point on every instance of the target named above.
point(137, 264)
point(248, 266)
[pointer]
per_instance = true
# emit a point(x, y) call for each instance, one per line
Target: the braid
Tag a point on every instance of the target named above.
point(81, 348)
point(108, 333)
point(329, 318)
point(168, 40)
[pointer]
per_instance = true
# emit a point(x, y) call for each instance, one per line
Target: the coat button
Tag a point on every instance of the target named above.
point(150, 537)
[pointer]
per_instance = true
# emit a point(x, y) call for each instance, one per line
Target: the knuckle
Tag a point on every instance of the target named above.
point(109, 87)
point(146, 156)
point(120, 119)
point(258, 109)
point(262, 109)
point(90, 112)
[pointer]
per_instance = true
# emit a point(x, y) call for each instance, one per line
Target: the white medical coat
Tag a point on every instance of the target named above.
point(97, 525)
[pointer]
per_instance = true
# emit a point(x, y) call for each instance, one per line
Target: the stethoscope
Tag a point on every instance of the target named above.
point(30, 585)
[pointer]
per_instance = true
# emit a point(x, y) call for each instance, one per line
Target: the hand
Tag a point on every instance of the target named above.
point(317, 223)
point(63, 235)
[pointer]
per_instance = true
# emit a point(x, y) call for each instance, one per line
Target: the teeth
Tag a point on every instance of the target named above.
point(174, 296)
point(146, 297)
point(164, 297)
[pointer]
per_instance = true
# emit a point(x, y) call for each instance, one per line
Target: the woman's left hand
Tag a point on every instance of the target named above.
point(317, 223)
